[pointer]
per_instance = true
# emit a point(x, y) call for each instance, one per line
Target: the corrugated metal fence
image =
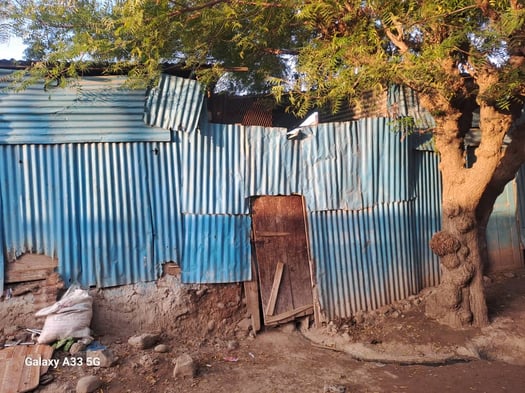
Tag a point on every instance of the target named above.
point(113, 212)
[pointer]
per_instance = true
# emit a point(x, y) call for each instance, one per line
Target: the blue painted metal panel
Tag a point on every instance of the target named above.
point(175, 104)
point(354, 165)
point(364, 258)
point(503, 240)
point(338, 166)
point(217, 248)
point(165, 182)
point(116, 231)
point(274, 164)
point(332, 160)
point(427, 215)
point(99, 109)
point(101, 209)
point(520, 187)
point(214, 168)
point(2, 254)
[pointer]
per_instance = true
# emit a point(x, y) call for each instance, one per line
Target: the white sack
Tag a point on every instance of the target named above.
point(69, 317)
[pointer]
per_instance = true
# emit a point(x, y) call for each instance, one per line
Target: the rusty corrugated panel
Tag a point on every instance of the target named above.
point(99, 109)
point(175, 104)
point(245, 110)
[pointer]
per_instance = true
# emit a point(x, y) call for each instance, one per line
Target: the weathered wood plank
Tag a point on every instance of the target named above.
point(251, 290)
point(275, 288)
point(30, 375)
point(30, 267)
point(15, 375)
point(290, 315)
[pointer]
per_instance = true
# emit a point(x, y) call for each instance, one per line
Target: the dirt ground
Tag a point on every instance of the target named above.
point(283, 360)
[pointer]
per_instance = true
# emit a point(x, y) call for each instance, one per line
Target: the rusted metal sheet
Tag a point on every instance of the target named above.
point(283, 262)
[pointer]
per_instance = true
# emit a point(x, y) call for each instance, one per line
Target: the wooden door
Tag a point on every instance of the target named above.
point(282, 257)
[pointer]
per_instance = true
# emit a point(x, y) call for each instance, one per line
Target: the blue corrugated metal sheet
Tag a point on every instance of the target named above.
point(503, 239)
point(99, 109)
point(214, 167)
point(274, 164)
point(175, 104)
point(364, 258)
point(165, 180)
point(339, 166)
point(101, 209)
point(217, 248)
point(520, 187)
point(427, 215)
point(353, 175)
point(354, 165)
point(2, 254)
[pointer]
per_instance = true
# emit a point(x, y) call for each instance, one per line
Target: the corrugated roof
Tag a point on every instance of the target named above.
point(99, 109)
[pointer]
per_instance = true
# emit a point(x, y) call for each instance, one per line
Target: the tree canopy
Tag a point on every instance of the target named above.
point(328, 51)
point(460, 56)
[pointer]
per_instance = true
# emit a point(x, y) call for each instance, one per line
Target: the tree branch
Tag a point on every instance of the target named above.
point(398, 41)
point(511, 161)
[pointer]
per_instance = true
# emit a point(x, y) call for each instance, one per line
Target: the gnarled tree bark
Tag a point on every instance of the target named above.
point(468, 198)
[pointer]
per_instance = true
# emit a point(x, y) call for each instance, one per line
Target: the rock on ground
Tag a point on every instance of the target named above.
point(184, 367)
point(161, 348)
point(88, 384)
point(144, 341)
point(102, 358)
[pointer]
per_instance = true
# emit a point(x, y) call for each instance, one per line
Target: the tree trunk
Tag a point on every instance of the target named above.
point(459, 300)
point(469, 194)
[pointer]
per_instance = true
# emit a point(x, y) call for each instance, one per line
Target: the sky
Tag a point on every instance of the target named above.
point(13, 49)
